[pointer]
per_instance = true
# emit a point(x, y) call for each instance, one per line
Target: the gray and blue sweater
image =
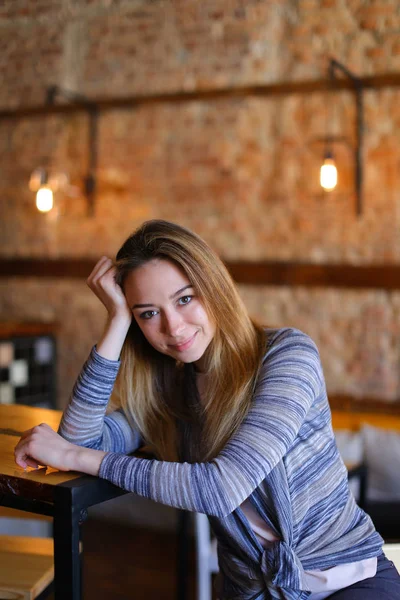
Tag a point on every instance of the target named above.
point(283, 458)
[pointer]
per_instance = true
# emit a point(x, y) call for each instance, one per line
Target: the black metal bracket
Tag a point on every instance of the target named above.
point(92, 108)
point(83, 515)
point(335, 66)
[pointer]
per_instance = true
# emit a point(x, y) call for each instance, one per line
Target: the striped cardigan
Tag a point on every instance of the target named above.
point(283, 458)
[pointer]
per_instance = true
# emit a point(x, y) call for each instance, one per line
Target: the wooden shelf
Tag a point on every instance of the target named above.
point(277, 273)
point(21, 329)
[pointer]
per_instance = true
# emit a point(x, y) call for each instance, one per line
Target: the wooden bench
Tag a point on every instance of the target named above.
point(26, 567)
point(26, 563)
point(350, 413)
point(353, 420)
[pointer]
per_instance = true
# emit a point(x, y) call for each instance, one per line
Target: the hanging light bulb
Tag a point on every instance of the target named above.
point(44, 192)
point(328, 173)
point(45, 183)
point(39, 183)
point(44, 199)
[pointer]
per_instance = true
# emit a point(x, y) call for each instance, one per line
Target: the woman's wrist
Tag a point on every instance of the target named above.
point(110, 344)
point(119, 322)
point(85, 460)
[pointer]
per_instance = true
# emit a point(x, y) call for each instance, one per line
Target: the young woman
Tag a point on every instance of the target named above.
point(236, 415)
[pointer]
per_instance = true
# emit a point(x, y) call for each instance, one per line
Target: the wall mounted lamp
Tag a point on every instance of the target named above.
point(45, 182)
point(328, 172)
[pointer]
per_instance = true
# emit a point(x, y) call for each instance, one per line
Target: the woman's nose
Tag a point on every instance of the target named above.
point(173, 323)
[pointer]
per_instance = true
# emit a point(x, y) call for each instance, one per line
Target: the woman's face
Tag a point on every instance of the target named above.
point(168, 311)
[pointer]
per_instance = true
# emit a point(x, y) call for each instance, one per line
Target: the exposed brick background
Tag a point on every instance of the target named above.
point(242, 172)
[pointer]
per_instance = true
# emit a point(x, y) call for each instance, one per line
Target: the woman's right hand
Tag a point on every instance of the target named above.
point(102, 282)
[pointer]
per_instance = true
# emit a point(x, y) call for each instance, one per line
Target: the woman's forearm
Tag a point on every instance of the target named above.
point(83, 420)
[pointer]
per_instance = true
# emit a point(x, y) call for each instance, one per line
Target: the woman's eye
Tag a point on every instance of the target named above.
point(185, 299)
point(148, 314)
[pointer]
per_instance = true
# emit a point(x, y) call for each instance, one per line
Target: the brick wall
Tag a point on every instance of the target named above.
point(241, 171)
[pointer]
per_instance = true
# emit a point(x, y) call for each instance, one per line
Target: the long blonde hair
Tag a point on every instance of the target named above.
point(152, 387)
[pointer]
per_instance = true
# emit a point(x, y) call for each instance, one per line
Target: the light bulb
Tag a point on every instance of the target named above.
point(328, 175)
point(44, 199)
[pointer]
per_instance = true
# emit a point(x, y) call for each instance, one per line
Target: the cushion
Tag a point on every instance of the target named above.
point(350, 446)
point(382, 457)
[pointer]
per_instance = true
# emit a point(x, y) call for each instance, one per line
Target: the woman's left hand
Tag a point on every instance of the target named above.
point(41, 445)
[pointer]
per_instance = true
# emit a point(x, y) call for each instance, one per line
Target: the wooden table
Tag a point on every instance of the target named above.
point(64, 496)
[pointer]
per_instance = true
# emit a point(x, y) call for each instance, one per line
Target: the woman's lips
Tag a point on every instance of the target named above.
point(185, 345)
